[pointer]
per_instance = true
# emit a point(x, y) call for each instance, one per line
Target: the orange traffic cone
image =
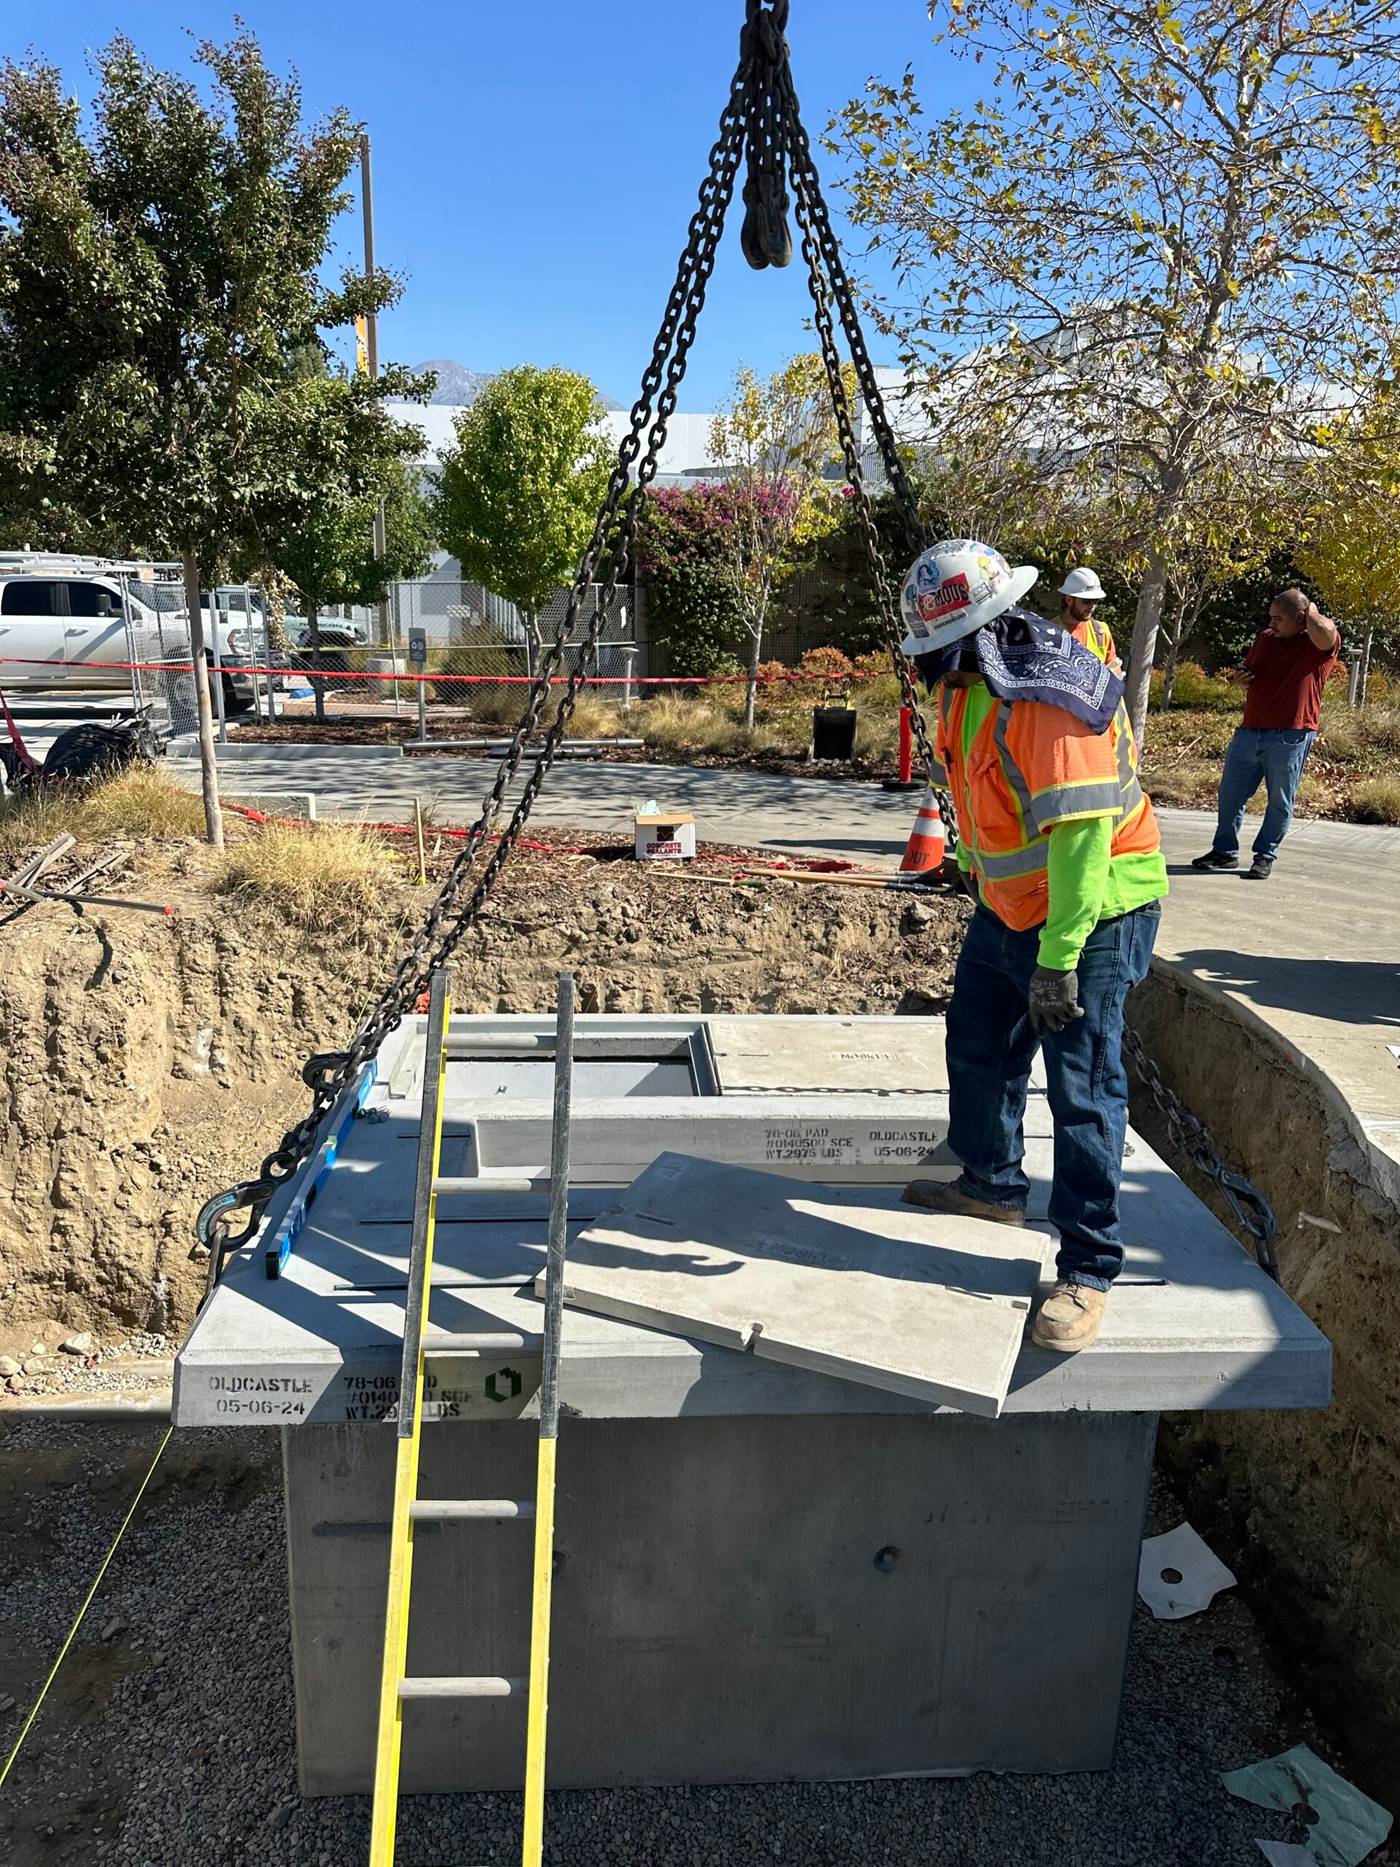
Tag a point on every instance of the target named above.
point(927, 841)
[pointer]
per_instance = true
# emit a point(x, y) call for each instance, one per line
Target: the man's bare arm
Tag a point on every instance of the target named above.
point(1322, 631)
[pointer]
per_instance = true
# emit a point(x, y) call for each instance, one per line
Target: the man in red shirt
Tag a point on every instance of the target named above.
point(1287, 669)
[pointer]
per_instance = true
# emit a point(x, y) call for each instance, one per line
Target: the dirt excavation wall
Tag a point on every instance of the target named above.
point(135, 1080)
point(1305, 1506)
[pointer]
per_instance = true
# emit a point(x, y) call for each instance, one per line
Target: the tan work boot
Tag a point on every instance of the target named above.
point(1069, 1318)
point(943, 1196)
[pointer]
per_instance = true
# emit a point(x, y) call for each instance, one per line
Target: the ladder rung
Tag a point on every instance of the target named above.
point(446, 1344)
point(470, 1509)
point(461, 1688)
point(448, 1186)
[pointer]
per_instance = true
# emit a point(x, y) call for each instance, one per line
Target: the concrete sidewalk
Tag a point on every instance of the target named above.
point(1313, 954)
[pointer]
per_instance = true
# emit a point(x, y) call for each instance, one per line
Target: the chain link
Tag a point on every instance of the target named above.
point(1253, 1213)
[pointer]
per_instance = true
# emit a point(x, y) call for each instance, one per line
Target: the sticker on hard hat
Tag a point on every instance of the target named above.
point(951, 594)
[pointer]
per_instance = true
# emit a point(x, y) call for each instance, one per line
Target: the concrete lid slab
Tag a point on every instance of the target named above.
point(817, 1277)
point(1192, 1321)
point(862, 1055)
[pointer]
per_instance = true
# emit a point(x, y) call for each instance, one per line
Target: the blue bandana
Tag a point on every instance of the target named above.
point(1021, 656)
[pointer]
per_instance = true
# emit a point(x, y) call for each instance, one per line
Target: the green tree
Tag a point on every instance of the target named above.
point(1152, 251)
point(1351, 548)
point(331, 558)
point(160, 277)
point(774, 445)
point(518, 494)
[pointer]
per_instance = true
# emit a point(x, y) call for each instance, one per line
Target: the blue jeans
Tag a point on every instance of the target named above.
point(1274, 757)
point(990, 1050)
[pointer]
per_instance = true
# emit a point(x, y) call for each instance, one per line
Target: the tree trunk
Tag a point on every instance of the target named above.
point(751, 695)
point(318, 686)
point(275, 610)
point(1170, 667)
point(532, 643)
point(208, 768)
point(1364, 676)
point(1138, 684)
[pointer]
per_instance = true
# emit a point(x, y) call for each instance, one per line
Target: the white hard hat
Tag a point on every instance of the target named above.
point(955, 588)
point(1084, 583)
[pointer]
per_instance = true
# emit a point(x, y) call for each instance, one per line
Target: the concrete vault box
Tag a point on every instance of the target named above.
point(764, 1570)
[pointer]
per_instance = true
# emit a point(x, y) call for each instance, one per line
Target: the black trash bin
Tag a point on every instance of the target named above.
point(834, 732)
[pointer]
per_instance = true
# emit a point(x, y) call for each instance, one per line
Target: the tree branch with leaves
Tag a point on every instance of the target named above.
point(774, 445)
point(160, 278)
point(1158, 251)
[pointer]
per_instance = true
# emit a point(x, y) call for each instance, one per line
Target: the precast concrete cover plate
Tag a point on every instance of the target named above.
point(915, 1303)
point(884, 1056)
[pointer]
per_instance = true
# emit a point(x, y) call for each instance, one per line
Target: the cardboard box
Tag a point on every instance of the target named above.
point(665, 835)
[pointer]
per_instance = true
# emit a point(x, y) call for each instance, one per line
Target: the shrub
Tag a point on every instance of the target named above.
point(1376, 800)
point(829, 663)
point(483, 655)
point(1195, 688)
point(693, 611)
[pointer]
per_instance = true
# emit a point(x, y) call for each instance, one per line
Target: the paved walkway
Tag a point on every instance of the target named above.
point(1313, 953)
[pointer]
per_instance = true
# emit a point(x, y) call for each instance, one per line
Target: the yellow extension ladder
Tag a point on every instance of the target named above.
point(418, 1347)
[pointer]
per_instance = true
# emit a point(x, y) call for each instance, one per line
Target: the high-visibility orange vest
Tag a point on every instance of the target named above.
point(1027, 767)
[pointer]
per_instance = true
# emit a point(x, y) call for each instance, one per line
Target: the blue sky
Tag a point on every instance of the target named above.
point(535, 165)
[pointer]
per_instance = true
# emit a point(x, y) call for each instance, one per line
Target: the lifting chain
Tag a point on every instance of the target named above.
point(612, 544)
point(760, 120)
point(1254, 1216)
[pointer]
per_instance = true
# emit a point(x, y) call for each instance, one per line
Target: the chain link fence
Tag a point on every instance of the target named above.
point(479, 654)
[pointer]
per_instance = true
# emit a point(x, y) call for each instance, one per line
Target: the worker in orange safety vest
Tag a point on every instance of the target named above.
point(1058, 845)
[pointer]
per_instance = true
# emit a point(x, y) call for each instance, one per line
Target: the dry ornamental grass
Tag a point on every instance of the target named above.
point(311, 873)
point(144, 801)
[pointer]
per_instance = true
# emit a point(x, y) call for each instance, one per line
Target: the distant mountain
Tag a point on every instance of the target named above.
point(456, 384)
point(458, 387)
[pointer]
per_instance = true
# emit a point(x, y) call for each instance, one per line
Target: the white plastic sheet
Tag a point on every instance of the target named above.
point(1181, 1554)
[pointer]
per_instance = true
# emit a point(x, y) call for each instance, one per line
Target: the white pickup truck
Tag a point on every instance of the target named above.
point(62, 630)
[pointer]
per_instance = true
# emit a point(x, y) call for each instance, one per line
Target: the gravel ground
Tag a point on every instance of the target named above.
point(136, 1365)
point(171, 1739)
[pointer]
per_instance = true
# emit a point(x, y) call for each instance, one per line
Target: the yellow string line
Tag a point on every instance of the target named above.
point(87, 1603)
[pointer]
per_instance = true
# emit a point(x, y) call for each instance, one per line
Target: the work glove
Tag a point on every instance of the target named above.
point(1054, 1000)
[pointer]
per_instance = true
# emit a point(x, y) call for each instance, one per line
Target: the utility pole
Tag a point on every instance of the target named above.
point(372, 349)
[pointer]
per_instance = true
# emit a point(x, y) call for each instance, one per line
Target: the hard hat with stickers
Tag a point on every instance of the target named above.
point(955, 588)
